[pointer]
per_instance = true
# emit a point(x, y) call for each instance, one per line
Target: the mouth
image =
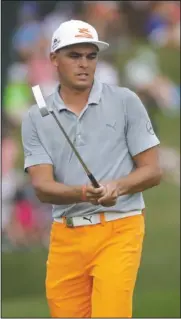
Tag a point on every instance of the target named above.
point(82, 75)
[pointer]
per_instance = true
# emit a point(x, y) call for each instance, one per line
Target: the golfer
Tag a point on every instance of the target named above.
point(97, 233)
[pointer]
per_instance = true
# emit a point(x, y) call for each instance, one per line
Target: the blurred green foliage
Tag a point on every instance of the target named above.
point(168, 59)
point(169, 131)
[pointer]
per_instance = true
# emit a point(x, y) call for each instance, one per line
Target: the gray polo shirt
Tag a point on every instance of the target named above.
point(113, 127)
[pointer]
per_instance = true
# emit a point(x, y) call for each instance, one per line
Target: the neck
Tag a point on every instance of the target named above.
point(73, 98)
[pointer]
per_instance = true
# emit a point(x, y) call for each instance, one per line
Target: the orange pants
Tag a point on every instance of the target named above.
point(92, 270)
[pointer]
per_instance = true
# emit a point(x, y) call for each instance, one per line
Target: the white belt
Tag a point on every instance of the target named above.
point(95, 219)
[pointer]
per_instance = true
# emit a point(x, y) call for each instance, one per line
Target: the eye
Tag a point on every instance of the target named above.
point(74, 55)
point(92, 56)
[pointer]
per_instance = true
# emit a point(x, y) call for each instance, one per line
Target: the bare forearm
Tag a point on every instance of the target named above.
point(59, 194)
point(139, 180)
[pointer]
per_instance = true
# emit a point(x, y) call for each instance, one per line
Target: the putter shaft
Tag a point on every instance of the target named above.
point(89, 174)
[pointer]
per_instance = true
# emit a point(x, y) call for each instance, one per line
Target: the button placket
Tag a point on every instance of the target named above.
point(78, 133)
point(75, 136)
point(79, 136)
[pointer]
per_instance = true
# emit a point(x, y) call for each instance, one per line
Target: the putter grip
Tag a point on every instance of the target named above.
point(93, 181)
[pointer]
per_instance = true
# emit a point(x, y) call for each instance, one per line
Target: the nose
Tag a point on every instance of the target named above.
point(83, 62)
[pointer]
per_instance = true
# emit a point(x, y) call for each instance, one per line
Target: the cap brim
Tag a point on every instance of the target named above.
point(100, 44)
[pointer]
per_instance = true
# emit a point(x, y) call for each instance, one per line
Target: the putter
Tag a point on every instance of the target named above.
point(44, 112)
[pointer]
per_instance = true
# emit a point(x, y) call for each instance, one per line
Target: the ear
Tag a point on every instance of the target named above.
point(53, 59)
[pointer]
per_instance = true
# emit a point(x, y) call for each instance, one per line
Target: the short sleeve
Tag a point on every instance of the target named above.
point(34, 152)
point(139, 131)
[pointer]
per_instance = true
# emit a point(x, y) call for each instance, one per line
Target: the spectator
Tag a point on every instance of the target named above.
point(143, 75)
point(17, 94)
point(10, 182)
point(107, 73)
point(105, 16)
point(40, 71)
point(62, 12)
point(163, 25)
point(28, 30)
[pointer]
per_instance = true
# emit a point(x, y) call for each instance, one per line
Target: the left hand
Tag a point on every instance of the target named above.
point(111, 194)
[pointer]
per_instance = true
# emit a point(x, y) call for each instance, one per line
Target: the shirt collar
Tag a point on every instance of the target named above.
point(95, 93)
point(94, 96)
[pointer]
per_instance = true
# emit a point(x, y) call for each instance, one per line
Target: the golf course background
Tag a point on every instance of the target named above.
point(157, 292)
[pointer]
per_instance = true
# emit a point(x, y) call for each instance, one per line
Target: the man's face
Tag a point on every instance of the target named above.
point(76, 65)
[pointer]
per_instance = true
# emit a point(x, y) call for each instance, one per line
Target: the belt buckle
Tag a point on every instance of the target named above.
point(69, 222)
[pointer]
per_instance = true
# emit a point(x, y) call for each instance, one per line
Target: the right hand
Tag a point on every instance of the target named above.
point(93, 194)
point(111, 195)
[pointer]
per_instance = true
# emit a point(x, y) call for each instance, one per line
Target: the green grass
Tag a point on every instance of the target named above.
point(169, 131)
point(32, 307)
point(157, 292)
point(37, 307)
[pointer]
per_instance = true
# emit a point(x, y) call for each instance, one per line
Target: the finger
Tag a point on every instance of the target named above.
point(104, 198)
point(101, 194)
point(95, 196)
point(96, 191)
point(108, 202)
point(103, 201)
point(92, 199)
point(109, 196)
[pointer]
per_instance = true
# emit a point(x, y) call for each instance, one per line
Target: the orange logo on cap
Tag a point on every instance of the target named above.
point(84, 33)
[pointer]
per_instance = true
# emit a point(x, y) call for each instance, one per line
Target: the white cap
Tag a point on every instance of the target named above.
point(73, 32)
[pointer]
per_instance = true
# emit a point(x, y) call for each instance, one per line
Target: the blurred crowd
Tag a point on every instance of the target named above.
point(25, 221)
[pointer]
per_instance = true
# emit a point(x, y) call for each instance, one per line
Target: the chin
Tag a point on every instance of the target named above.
point(83, 85)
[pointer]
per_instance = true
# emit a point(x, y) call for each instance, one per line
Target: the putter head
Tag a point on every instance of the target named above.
point(40, 100)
